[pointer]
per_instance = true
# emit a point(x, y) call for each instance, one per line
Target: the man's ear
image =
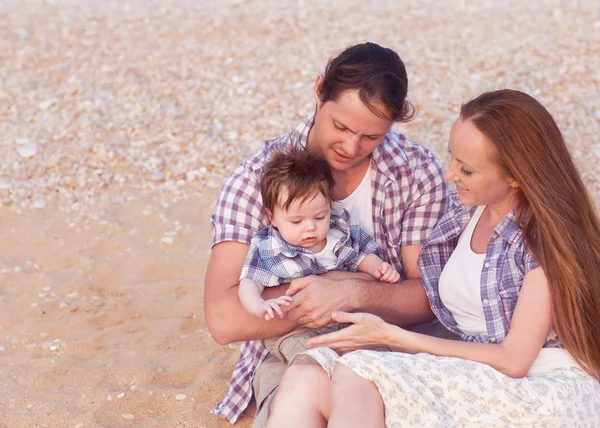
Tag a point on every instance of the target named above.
point(317, 90)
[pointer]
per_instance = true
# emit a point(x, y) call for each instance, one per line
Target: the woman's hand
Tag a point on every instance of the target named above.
point(366, 332)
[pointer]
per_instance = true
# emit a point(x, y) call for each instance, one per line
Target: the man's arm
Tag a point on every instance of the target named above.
point(402, 303)
point(226, 318)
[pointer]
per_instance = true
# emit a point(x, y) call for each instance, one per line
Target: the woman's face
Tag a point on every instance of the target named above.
point(345, 131)
point(479, 179)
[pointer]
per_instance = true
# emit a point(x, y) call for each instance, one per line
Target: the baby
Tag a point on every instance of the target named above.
point(304, 237)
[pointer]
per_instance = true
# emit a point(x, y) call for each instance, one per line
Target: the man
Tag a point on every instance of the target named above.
point(392, 186)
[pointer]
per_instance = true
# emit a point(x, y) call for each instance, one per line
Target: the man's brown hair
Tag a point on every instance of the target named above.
point(302, 173)
point(377, 73)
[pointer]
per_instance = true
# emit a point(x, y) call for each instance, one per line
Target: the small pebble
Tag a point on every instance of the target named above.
point(39, 203)
point(27, 151)
point(158, 176)
point(167, 240)
point(121, 395)
point(128, 416)
point(181, 397)
point(2, 348)
point(34, 304)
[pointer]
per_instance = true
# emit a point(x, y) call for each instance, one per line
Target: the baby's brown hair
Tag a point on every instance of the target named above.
point(302, 173)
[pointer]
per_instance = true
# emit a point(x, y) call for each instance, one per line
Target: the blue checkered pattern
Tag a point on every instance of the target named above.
point(507, 260)
point(272, 261)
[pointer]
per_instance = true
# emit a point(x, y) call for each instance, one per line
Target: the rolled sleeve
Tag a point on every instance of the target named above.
point(238, 211)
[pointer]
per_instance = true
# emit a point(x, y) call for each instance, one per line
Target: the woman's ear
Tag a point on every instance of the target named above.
point(513, 184)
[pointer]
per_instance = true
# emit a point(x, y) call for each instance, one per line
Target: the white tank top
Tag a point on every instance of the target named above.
point(460, 282)
point(460, 292)
point(359, 204)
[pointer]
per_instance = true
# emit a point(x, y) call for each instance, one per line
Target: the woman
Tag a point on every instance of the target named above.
point(512, 268)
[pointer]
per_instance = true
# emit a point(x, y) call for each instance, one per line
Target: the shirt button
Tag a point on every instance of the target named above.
point(486, 301)
point(492, 339)
point(487, 264)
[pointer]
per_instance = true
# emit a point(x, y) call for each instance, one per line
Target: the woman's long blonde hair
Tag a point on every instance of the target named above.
point(556, 213)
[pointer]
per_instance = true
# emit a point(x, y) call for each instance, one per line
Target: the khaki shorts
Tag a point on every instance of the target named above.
point(269, 373)
point(289, 345)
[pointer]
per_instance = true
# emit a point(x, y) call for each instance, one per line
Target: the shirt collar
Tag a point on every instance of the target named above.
point(508, 229)
point(388, 156)
point(278, 245)
point(458, 217)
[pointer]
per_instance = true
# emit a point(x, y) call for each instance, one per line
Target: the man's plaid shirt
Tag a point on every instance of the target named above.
point(408, 196)
point(507, 260)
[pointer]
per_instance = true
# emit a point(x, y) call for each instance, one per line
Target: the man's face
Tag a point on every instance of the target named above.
point(345, 131)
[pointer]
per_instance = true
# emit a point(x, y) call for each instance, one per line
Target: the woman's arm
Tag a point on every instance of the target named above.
point(529, 328)
point(530, 325)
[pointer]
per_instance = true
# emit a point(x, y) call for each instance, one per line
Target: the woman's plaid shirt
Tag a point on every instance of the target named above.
point(507, 260)
point(408, 196)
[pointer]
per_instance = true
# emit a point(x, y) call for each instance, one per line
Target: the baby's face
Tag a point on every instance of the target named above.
point(305, 223)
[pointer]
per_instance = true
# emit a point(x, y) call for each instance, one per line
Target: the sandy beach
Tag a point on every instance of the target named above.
point(119, 121)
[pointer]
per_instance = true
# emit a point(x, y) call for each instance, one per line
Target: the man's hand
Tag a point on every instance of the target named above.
point(315, 298)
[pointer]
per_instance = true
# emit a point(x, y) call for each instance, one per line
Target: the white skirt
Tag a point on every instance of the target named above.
point(429, 391)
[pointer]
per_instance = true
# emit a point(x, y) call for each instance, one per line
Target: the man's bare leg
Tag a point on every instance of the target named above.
point(302, 399)
point(355, 401)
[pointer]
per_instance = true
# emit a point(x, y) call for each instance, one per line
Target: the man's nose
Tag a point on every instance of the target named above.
point(352, 146)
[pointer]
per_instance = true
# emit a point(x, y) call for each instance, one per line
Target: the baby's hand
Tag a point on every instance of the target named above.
point(386, 273)
point(268, 308)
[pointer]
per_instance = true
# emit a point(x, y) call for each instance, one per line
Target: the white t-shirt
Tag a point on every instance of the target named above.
point(326, 257)
point(359, 204)
point(460, 292)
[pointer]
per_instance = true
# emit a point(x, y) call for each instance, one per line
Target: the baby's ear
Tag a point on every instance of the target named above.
point(269, 215)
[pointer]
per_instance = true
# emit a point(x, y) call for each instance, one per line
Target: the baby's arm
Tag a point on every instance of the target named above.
point(250, 294)
point(379, 269)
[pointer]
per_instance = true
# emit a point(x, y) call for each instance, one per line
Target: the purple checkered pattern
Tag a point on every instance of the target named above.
point(272, 261)
point(507, 260)
point(408, 199)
